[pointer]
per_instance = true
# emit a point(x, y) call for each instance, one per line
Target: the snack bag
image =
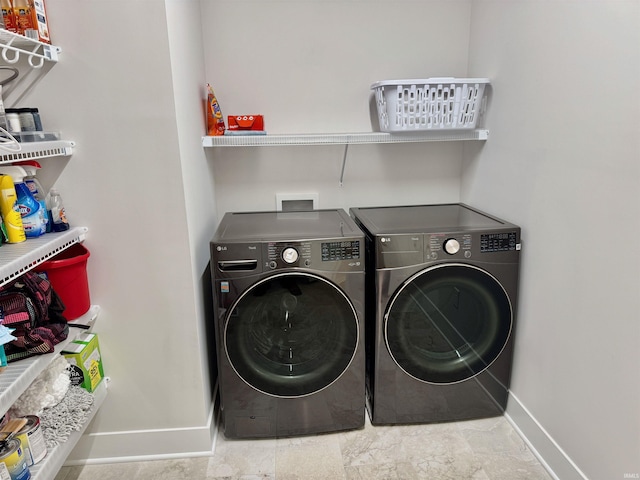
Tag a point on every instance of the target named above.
point(215, 120)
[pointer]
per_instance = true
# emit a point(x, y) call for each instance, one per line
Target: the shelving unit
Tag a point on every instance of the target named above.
point(38, 150)
point(343, 138)
point(16, 259)
point(17, 377)
point(13, 46)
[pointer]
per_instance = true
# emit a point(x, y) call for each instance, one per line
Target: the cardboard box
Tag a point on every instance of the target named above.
point(39, 13)
point(246, 122)
point(83, 354)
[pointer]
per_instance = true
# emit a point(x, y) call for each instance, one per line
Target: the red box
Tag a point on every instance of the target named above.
point(245, 122)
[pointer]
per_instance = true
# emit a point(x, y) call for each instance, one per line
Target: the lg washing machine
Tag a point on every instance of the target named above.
point(289, 322)
point(442, 286)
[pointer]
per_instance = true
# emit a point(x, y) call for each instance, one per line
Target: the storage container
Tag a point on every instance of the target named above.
point(430, 104)
point(67, 272)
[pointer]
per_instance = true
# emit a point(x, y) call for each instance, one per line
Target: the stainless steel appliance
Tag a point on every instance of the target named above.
point(289, 322)
point(442, 283)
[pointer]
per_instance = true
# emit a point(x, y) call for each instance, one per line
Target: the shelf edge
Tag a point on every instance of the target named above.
point(343, 138)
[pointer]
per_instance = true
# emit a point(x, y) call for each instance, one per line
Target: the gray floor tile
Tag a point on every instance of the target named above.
point(487, 449)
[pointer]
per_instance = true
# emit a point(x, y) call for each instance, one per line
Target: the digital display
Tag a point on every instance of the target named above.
point(346, 250)
point(498, 242)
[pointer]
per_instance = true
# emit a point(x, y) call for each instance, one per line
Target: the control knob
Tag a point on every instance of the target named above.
point(451, 246)
point(290, 255)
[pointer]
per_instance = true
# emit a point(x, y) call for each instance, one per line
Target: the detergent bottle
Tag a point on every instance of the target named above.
point(59, 222)
point(11, 219)
point(31, 211)
point(34, 186)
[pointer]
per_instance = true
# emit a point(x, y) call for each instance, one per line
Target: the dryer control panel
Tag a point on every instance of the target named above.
point(454, 245)
point(448, 244)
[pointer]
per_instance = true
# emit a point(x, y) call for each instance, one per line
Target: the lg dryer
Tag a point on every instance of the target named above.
point(442, 288)
point(289, 303)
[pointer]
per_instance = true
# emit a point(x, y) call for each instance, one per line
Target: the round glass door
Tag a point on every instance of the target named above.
point(448, 323)
point(291, 335)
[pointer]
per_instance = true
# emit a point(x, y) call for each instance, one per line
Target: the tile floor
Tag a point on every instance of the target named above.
point(487, 449)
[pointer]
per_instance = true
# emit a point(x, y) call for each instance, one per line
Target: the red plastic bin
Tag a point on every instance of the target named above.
point(67, 272)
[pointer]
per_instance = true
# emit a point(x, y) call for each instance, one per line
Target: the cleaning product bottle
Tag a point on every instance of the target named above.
point(32, 213)
point(8, 16)
point(23, 16)
point(9, 209)
point(58, 216)
point(32, 183)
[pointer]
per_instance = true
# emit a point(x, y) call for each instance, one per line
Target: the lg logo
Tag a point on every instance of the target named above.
point(221, 248)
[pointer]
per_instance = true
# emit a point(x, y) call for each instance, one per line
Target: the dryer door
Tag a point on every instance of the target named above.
point(291, 334)
point(448, 323)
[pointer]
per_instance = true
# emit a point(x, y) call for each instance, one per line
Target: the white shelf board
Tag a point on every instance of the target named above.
point(49, 467)
point(18, 258)
point(17, 376)
point(37, 150)
point(13, 45)
point(343, 138)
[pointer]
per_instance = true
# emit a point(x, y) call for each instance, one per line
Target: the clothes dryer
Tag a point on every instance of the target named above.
point(289, 322)
point(442, 283)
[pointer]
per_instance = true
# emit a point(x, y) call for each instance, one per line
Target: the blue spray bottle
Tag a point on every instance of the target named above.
point(36, 189)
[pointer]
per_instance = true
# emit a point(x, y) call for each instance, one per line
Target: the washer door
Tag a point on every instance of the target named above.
point(291, 334)
point(448, 323)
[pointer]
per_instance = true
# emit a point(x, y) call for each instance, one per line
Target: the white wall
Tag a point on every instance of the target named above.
point(187, 65)
point(563, 162)
point(307, 66)
point(115, 93)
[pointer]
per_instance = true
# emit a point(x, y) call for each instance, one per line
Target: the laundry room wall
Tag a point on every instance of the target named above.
point(562, 161)
point(307, 66)
point(128, 90)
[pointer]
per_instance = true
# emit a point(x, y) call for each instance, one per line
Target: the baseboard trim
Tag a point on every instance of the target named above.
point(146, 445)
point(554, 459)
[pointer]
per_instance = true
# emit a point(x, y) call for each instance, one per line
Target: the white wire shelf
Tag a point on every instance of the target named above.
point(49, 467)
point(18, 258)
point(38, 150)
point(17, 376)
point(343, 138)
point(13, 46)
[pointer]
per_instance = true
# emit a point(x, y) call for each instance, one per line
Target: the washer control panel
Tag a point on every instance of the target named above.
point(324, 255)
point(342, 250)
point(288, 254)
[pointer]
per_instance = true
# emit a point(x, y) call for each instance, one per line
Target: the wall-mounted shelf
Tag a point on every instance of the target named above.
point(343, 138)
point(13, 46)
point(18, 376)
point(18, 258)
point(37, 150)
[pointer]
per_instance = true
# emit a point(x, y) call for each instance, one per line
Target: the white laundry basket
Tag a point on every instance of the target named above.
point(429, 104)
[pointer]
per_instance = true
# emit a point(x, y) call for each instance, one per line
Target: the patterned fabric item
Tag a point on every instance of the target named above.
point(31, 306)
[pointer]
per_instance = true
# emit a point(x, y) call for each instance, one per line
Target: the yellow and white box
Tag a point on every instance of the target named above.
point(83, 354)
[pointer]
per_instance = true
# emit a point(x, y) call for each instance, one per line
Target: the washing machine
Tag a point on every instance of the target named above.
point(289, 322)
point(442, 286)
